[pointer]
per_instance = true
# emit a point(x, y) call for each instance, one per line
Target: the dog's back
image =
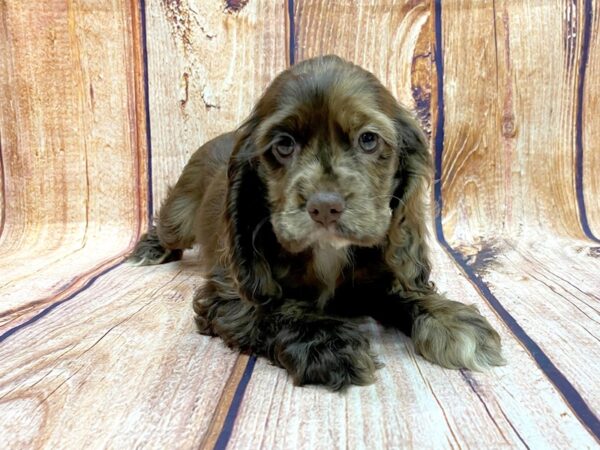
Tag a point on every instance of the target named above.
point(202, 186)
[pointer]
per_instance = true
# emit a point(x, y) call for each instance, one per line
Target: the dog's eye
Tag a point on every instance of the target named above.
point(285, 146)
point(368, 142)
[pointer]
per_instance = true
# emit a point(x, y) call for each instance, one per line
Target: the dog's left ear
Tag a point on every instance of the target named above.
point(407, 254)
point(252, 242)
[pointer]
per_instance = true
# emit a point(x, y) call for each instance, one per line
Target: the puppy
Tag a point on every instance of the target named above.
point(311, 215)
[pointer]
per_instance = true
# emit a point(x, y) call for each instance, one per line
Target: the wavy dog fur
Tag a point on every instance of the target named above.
point(289, 288)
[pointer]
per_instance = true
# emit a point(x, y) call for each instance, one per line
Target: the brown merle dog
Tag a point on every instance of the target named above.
point(311, 215)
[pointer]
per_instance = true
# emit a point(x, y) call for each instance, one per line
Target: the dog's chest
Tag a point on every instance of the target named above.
point(328, 263)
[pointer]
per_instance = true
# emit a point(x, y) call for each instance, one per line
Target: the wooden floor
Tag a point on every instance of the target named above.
point(101, 104)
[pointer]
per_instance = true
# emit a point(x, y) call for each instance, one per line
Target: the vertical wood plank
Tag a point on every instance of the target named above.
point(72, 136)
point(391, 39)
point(68, 119)
point(470, 106)
point(509, 149)
point(590, 114)
point(2, 199)
point(208, 64)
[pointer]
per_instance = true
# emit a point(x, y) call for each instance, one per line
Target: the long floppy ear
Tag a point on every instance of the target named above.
point(407, 254)
point(415, 165)
point(252, 242)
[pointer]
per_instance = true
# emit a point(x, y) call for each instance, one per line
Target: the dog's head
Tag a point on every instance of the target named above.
point(326, 158)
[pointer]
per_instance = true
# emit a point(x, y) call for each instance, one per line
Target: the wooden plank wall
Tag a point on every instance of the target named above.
point(73, 147)
point(511, 117)
point(101, 104)
point(207, 64)
point(589, 104)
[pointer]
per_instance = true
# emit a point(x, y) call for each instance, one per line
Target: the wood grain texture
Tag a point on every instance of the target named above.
point(510, 117)
point(590, 111)
point(72, 138)
point(32, 284)
point(119, 366)
point(94, 354)
point(208, 65)
point(390, 38)
point(557, 284)
point(58, 112)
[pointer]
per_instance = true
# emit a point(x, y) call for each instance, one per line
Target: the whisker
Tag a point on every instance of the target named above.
point(385, 195)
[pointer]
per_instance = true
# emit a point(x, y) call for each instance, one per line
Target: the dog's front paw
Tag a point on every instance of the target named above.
point(326, 352)
point(456, 336)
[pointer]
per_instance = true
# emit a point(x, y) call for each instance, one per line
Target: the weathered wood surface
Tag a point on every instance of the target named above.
point(590, 111)
point(118, 366)
point(73, 150)
point(207, 66)
point(510, 117)
point(96, 354)
point(551, 289)
point(392, 39)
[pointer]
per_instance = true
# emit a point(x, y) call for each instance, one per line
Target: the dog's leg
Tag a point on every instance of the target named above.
point(175, 224)
point(174, 230)
point(313, 348)
point(320, 350)
point(454, 335)
point(149, 251)
point(445, 332)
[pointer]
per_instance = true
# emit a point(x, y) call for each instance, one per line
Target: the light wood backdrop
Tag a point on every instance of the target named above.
point(102, 103)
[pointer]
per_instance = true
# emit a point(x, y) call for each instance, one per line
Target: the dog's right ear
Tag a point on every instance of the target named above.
point(252, 242)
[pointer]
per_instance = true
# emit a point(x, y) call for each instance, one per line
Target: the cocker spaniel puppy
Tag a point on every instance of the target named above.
point(310, 215)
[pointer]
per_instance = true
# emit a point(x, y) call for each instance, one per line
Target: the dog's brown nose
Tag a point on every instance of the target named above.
point(325, 207)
